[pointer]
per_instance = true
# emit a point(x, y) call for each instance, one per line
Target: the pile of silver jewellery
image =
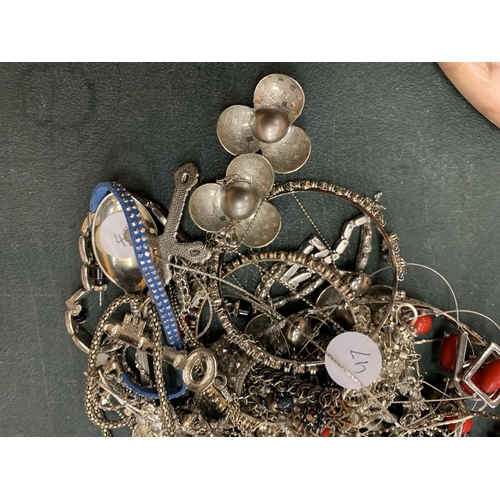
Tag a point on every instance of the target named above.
point(244, 334)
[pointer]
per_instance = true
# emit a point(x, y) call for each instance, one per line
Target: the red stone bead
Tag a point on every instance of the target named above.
point(490, 381)
point(449, 352)
point(325, 432)
point(423, 324)
point(477, 379)
point(466, 425)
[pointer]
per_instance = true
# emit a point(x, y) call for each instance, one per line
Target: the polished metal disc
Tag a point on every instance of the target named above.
point(260, 229)
point(234, 130)
point(280, 91)
point(112, 245)
point(289, 154)
point(255, 169)
point(205, 208)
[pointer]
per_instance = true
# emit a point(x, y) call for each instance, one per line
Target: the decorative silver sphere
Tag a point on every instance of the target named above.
point(270, 124)
point(298, 331)
point(360, 282)
point(239, 200)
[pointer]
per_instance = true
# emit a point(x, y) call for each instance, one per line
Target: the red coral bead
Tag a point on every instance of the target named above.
point(423, 324)
point(490, 381)
point(466, 425)
point(325, 432)
point(449, 352)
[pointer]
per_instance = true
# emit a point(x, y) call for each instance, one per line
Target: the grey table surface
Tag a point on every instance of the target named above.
point(398, 128)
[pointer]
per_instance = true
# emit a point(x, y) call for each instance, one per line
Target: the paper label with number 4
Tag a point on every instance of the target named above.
point(359, 359)
point(111, 236)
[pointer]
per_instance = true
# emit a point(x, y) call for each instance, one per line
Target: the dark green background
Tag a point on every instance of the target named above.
point(398, 128)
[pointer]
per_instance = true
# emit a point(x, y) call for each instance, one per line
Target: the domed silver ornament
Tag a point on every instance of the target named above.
point(269, 124)
point(260, 229)
point(205, 208)
point(290, 153)
point(234, 130)
point(360, 282)
point(239, 200)
point(298, 331)
point(254, 169)
point(277, 90)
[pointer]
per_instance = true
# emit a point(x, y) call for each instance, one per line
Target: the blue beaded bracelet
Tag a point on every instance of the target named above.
point(150, 273)
point(151, 392)
point(143, 255)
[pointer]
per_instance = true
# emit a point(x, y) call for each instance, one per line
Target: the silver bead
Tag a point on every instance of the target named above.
point(298, 331)
point(239, 200)
point(360, 282)
point(269, 125)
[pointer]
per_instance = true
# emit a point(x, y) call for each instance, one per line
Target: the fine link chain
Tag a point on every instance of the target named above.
point(94, 412)
point(170, 424)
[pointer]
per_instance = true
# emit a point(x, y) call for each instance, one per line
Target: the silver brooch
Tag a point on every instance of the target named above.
point(268, 126)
